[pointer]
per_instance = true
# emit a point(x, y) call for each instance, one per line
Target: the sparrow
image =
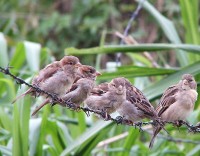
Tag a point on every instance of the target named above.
point(136, 106)
point(55, 78)
point(80, 89)
point(107, 101)
point(86, 71)
point(177, 102)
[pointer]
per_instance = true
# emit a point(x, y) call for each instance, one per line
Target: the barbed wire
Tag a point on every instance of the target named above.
point(102, 114)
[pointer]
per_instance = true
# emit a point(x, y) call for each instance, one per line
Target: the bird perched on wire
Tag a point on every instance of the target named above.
point(177, 102)
point(136, 106)
point(87, 72)
point(79, 91)
point(56, 78)
point(107, 97)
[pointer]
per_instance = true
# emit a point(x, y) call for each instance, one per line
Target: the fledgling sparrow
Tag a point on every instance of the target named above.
point(55, 78)
point(136, 106)
point(86, 71)
point(177, 102)
point(108, 101)
point(84, 82)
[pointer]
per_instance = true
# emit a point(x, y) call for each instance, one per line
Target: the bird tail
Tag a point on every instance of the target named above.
point(22, 95)
point(156, 130)
point(40, 106)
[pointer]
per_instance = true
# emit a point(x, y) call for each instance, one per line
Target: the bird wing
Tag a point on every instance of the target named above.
point(136, 97)
point(47, 72)
point(74, 87)
point(167, 99)
point(100, 89)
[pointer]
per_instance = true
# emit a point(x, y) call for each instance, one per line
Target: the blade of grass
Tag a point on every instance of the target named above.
point(189, 12)
point(129, 141)
point(8, 92)
point(81, 121)
point(33, 55)
point(135, 71)
point(134, 48)
point(168, 28)
point(95, 129)
point(5, 151)
point(3, 51)
point(16, 61)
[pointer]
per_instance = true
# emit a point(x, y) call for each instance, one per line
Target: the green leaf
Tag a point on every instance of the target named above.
point(8, 93)
point(95, 129)
point(134, 48)
point(3, 51)
point(21, 124)
point(81, 121)
point(34, 135)
point(135, 71)
point(6, 151)
point(194, 151)
point(190, 12)
point(168, 28)
point(6, 120)
point(129, 141)
point(18, 57)
point(33, 55)
point(42, 132)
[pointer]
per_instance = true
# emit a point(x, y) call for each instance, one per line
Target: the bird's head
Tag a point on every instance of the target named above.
point(188, 82)
point(70, 62)
point(118, 85)
point(88, 72)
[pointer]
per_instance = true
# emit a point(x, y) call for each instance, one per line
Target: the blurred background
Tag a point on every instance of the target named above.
point(35, 33)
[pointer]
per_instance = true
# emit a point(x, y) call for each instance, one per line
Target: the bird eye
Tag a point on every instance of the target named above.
point(91, 71)
point(190, 80)
point(71, 63)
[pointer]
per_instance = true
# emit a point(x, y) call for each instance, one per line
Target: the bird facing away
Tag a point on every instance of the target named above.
point(177, 102)
point(55, 78)
point(110, 100)
point(136, 106)
point(84, 82)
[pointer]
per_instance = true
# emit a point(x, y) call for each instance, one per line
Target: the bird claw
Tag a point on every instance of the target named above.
point(52, 103)
point(73, 106)
point(105, 115)
point(86, 111)
point(119, 120)
point(139, 125)
point(70, 104)
point(178, 123)
point(128, 122)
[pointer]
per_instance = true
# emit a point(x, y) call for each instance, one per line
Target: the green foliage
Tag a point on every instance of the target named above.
point(59, 131)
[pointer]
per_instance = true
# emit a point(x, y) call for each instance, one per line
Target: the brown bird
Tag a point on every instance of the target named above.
point(177, 102)
point(136, 106)
point(84, 82)
point(55, 78)
point(107, 101)
point(79, 91)
point(86, 71)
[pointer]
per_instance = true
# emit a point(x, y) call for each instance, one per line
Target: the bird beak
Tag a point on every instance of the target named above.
point(120, 87)
point(98, 73)
point(185, 82)
point(78, 65)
